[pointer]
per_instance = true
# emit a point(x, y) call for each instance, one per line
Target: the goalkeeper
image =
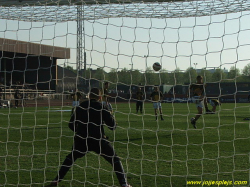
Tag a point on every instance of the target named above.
point(87, 123)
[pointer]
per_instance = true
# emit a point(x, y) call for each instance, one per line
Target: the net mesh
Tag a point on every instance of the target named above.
point(59, 11)
point(119, 44)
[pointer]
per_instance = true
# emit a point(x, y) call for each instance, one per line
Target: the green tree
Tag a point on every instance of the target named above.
point(233, 73)
point(171, 78)
point(113, 76)
point(243, 78)
point(246, 70)
point(207, 75)
point(164, 76)
point(178, 76)
point(100, 74)
point(86, 74)
point(70, 68)
point(124, 76)
point(149, 76)
point(218, 75)
point(189, 75)
point(136, 77)
point(156, 78)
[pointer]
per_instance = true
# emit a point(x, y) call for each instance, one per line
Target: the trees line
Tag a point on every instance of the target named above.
point(176, 77)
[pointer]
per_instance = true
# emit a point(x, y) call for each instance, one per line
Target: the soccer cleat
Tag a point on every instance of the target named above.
point(54, 183)
point(126, 185)
point(162, 119)
point(193, 122)
point(209, 112)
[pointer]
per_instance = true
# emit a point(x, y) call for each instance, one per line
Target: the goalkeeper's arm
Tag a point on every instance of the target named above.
point(109, 119)
point(72, 122)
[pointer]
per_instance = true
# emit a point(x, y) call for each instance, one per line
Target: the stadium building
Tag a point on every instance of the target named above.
point(31, 64)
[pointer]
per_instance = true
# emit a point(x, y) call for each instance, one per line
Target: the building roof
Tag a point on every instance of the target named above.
point(17, 46)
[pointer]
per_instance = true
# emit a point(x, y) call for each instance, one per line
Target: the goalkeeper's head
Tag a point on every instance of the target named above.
point(94, 94)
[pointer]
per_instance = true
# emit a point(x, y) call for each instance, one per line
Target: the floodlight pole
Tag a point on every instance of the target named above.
point(145, 56)
point(5, 82)
point(195, 64)
point(81, 54)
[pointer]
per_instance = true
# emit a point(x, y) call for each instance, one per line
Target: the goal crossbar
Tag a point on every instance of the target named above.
point(52, 11)
point(73, 2)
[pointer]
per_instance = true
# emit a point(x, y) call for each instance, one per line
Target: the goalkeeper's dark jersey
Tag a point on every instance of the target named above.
point(197, 89)
point(88, 119)
point(156, 96)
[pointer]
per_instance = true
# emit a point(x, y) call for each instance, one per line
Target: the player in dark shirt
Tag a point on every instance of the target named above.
point(139, 98)
point(87, 123)
point(197, 92)
point(156, 97)
point(16, 96)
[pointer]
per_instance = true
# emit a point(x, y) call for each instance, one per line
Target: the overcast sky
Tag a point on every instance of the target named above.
point(219, 41)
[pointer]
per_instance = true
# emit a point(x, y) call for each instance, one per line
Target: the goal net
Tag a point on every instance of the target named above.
point(51, 48)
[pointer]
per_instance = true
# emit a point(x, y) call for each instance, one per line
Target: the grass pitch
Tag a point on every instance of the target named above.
point(35, 141)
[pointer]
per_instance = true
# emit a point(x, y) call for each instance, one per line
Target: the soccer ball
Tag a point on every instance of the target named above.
point(156, 66)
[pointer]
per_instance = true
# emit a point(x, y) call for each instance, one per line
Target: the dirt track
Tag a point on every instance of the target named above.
point(45, 102)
